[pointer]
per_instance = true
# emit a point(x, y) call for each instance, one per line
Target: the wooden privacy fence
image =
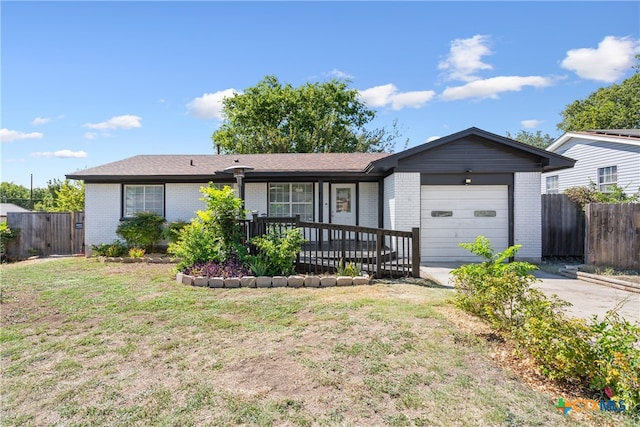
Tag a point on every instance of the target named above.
point(563, 227)
point(45, 233)
point(613, 235)
point(376, 251)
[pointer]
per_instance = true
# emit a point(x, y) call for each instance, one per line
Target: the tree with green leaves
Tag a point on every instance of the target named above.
point(61, 196)
point(17, 194)
point(313, 118)
point(536, 139)
point(613, 107)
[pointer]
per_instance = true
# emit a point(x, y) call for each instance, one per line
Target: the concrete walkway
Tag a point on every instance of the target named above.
point(588, 299)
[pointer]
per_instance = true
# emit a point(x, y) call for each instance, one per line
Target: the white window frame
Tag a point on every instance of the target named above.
point(146, 204)
point(552, 184)
point(289, 203)
point(607, 177)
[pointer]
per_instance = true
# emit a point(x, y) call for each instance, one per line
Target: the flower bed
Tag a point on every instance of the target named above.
point(294, 281)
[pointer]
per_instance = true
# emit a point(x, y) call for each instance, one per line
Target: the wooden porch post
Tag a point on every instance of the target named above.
point(415, 252)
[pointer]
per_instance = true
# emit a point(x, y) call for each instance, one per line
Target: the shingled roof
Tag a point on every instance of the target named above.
point(205, 167)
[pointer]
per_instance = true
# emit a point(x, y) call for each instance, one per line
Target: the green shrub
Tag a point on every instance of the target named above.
point(115, 249)
point(278, 249)
point(172, 230)
point(603, 354)
point(617, 358)
point(559, 345)
point(143, 230)
point(493, 289)
point(590, 194)
point(215, 234)
point(6, 235)
point(350, 269)
point(136, 253)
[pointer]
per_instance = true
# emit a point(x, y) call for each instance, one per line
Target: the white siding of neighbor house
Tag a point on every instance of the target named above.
point(590, 156)
point(368, 204)
point(182, 201)
point(102, 213)
point(527, 215)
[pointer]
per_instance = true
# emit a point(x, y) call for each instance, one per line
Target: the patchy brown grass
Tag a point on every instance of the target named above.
point(85, 343)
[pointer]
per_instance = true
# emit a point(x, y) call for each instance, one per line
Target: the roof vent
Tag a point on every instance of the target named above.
point(191, 162)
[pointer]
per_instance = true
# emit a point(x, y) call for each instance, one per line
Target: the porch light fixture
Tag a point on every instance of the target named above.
point(467, 181)
point(239, 173)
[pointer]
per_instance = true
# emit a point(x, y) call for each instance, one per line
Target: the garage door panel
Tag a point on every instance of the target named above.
point(441, 235)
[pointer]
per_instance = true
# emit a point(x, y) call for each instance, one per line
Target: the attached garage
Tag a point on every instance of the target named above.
point(450, 215)
point(464, 185)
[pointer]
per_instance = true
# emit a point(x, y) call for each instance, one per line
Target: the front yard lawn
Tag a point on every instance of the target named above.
point(87, 343)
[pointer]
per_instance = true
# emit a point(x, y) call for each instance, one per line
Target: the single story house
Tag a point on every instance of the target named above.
point(455, 188)
point(604, 157)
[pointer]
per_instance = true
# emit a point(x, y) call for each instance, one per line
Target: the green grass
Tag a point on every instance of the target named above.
point(86, 343)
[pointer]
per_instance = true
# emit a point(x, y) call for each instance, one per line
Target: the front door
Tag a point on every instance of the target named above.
point(343, 204)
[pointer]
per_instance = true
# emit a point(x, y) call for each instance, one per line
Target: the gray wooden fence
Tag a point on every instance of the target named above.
point(613, 235)
point(45, 233)
point(563, 227)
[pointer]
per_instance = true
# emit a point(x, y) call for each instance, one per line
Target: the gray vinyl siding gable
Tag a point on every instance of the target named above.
point(471, 153)
point(590, 156)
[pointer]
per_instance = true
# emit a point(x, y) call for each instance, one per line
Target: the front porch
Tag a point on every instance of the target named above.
point(374, 251)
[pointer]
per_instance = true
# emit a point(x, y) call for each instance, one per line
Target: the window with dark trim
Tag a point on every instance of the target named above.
point(143, 198)
point(290, 199)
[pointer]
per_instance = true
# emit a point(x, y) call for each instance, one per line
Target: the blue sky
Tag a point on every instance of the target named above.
point(86, 83)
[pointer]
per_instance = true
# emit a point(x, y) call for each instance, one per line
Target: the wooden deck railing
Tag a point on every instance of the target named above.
point(375, 251)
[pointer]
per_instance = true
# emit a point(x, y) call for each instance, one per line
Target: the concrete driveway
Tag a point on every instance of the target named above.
point(588, 299)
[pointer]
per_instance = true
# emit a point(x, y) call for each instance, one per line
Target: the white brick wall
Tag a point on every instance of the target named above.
point(527, 215)
point(407, 193)
point(182, 201)
point(389, 218)
point(102, 213)
point(368, 204)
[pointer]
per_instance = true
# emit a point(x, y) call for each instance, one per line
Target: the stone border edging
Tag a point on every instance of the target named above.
point(601, 280)
point(145, 259)
point(294, 281)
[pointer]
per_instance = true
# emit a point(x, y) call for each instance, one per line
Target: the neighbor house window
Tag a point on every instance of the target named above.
point(289, 199)
point(143, 198)
point(552, 184)
point(607, 178)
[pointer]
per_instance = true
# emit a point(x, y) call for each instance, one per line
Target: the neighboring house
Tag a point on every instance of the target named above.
point(604, 157)
point(5, 208)
point(455, 188)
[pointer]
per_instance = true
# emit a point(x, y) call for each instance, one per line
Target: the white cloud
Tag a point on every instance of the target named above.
point(530, 124)
point(7, 135)
point(41, 121)
point(491, 88)
point(209, 105)
point(90, 135)
point(609, 62)
point(61, 154)
point(465, 58)
point(380, 96)
point(433, 138)
point(340, 74)
point(127, 121)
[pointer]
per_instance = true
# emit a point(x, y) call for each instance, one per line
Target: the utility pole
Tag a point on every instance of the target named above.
point(31, 198)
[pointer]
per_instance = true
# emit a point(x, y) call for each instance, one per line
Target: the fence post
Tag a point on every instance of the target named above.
point(378, 254)
point(415, 252)
point(253, 229)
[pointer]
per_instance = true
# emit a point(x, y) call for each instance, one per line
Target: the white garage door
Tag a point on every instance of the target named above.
point(452, 214)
